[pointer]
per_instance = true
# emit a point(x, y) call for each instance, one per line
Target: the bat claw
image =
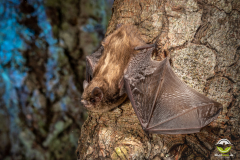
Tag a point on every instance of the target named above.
point(145, 46)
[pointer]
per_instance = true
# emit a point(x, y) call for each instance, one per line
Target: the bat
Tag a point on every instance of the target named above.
point(162, 102)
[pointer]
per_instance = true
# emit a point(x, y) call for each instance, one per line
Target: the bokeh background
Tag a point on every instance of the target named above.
point(43, 44)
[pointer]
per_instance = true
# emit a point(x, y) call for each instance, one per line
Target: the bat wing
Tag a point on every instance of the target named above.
point(162, 102)
point(91, 62)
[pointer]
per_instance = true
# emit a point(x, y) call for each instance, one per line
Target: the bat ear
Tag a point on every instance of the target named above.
point(97, 94)
point(85, 84)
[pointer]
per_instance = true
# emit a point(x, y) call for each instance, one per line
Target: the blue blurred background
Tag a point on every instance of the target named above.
point(43, 44)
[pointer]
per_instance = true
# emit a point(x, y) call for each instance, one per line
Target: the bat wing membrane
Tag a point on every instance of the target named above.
point(163, 103)
point(91, 62)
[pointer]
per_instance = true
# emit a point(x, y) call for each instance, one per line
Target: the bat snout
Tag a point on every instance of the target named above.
point(84, 102)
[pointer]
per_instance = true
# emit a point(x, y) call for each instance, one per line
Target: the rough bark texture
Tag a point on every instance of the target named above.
point(203, 40)
point(43, 44)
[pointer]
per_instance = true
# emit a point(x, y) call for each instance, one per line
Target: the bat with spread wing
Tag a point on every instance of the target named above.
point(162, 102)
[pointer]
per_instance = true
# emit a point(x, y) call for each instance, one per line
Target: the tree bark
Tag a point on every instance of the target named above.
point(202, 39)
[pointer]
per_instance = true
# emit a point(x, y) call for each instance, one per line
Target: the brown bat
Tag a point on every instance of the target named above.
point(162, 102)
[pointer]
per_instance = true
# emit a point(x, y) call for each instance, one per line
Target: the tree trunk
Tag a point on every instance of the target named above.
point(202, 39)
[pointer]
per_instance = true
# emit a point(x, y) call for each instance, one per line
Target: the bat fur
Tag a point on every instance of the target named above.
point(108, 73)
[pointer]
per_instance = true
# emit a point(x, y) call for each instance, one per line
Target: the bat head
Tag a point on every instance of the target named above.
point(95, 96)
point(92, 97)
